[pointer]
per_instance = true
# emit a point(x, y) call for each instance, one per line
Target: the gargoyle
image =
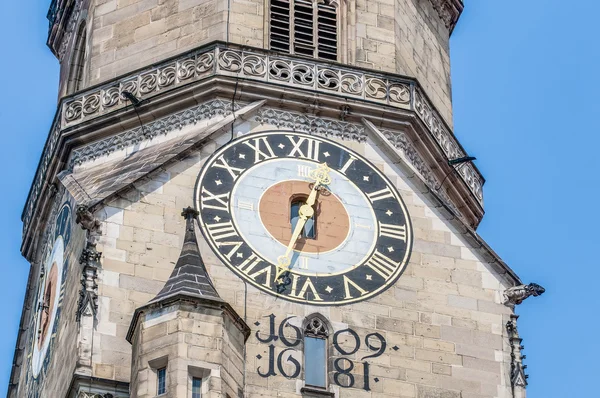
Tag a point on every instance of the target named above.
point(516, 294)
point(86, 219)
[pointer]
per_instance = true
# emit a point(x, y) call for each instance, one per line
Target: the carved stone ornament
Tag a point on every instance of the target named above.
point(88, 295)
point(70, 28)
point(316, 326)
point(287, 72)
point(84, 394)
point(518, 378)
point(86, 219)
point(517, 294)
point(162, 126)
point(449, 11)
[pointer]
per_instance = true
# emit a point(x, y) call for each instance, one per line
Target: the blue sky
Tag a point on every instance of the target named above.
point(525, 83)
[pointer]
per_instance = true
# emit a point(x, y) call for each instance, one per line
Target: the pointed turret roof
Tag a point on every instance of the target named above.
point(189, 277)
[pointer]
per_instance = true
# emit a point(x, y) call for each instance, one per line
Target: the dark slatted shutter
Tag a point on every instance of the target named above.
point(304, 27)
point(304, 40)
point(327, 32)
point(280, 25)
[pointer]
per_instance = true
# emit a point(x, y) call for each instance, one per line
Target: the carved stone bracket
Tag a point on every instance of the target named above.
point(518, 378)
point(449, 11)
point(517, 294)
point(88, 295)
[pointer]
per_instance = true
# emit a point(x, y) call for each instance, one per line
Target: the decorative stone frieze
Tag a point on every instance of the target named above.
point(311, 124)
point(161, 126)
point(250, 64)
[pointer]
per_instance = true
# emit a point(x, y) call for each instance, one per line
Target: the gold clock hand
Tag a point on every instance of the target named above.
point(306, 211)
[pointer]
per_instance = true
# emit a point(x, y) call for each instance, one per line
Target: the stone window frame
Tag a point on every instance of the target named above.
point(155, 365)
point(196, 372)
point(317, 326)
point(342, 31)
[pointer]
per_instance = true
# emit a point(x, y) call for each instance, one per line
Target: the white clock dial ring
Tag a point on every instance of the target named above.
point(251, 187)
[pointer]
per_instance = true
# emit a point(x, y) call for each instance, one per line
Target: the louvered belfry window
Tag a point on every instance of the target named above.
point(304, 27)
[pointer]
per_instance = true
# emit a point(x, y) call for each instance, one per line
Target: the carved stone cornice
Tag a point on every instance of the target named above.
point(62, 17)
point(449, 11)
point(313, 85)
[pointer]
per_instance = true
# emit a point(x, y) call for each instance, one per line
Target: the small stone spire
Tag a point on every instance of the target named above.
point(189, 277)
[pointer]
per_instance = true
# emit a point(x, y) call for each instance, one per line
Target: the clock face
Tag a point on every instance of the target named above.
point(303, 218)
point(50, 290)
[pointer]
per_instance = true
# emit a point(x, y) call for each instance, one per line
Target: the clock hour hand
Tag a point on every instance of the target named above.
point(306, 211)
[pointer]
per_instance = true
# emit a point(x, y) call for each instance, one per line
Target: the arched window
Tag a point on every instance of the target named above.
point(305, 27)
point(310, 228)
point(77, 61)
point(316, 333)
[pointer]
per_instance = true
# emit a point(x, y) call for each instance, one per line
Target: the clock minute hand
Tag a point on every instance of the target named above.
point(306, 211)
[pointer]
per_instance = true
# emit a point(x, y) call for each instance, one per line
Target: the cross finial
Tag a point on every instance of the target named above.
point(189, 213)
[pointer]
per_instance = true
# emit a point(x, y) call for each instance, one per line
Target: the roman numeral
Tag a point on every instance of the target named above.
point(393, 231)
point(347, 283)
point(303, 262)
point(233, 171)
point(258, 153)
point(247, 267)
point(307, 285)
point(304, 171)
point(224, 230)
point(349, 162)
point(222, 200)
point(381, 194)
point(245, 205)
point(383, 265)
point(312, 148)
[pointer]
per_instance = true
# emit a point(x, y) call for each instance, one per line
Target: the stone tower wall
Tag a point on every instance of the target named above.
point(397, 36)
point(444, 315)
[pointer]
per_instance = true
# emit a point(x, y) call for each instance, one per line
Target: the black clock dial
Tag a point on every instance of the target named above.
point(354, 234)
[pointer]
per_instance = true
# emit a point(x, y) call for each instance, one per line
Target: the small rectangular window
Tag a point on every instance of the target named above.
point(161, 375)
point(314, 362)
point(196, 387)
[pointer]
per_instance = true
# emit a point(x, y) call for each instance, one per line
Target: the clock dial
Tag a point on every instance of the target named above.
point(303, 218)
point(50, 289)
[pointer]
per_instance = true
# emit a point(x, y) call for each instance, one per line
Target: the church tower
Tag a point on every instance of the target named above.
point(328, 243)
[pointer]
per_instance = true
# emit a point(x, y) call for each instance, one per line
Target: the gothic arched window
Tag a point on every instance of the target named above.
point(316, 333)
point(305, 27)
point(309, 231)
point(77, 61)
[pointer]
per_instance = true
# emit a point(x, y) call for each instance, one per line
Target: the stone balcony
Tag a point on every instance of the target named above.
point(263, 74)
